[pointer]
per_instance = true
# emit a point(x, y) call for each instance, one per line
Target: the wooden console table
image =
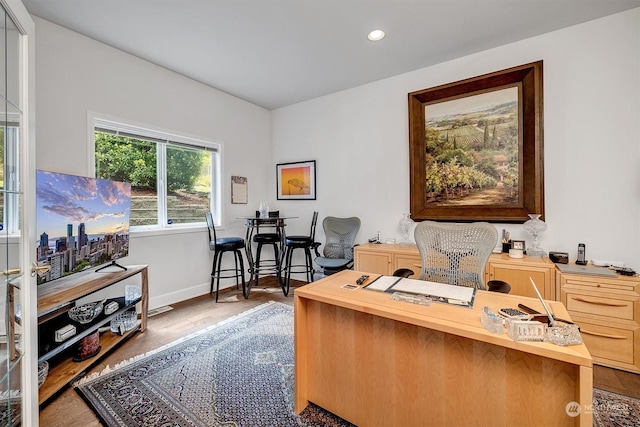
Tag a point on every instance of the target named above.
point(378, 362)
point(386, 258)
point(57, 297)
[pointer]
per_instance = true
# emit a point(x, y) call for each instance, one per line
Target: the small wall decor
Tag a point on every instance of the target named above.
point(296, 181)
point(476, 148)
point(239, 191)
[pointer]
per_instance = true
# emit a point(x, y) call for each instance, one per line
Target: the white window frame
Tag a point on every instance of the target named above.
point(167, 138)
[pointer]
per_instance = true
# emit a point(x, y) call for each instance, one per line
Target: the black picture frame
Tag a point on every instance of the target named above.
point(518, 244)
point(296, 180)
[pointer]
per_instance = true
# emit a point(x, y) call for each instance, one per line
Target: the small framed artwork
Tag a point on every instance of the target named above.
point(517, 244)
point(239, 193)
point(296, 181)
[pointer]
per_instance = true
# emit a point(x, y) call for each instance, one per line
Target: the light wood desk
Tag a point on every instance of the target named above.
point(378, 362)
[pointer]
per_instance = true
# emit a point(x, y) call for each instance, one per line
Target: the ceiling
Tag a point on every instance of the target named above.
point(275, 53)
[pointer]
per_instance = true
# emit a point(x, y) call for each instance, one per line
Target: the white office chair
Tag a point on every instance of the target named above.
point(455, 254)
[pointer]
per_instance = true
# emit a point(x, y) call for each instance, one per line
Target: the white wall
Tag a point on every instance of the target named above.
point(76, 75)
point(359, 138)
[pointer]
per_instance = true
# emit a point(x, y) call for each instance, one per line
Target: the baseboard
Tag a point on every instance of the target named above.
point(184, 294)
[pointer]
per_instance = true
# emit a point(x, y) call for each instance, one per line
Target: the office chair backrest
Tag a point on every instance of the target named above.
point(455, 254)
point(340, 236)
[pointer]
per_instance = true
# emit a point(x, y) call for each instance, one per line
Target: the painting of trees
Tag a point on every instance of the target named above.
point(471, 154)
point(476, 147)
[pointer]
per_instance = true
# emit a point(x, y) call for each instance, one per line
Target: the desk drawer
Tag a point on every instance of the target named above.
point(614, 344)
point(602, 306)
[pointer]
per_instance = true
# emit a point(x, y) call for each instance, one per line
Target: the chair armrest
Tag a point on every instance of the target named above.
point(315, 247)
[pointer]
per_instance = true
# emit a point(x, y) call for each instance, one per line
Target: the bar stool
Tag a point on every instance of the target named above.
point(300, 242)
point(219, 247)
point(270, 238)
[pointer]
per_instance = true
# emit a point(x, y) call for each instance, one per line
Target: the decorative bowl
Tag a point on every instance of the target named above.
point(86, 313)
point(124, 322)
point(43, 371)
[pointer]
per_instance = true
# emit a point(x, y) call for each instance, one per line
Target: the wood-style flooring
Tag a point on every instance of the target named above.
point(69, 410)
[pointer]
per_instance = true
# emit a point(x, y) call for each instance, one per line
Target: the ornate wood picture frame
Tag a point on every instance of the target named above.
point(476, 148)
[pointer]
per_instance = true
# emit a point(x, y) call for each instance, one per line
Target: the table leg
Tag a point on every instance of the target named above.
point(249, 252)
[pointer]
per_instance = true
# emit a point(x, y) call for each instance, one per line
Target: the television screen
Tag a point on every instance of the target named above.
point(80, 222)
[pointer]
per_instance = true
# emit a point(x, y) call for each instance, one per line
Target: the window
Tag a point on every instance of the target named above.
point(174, 179)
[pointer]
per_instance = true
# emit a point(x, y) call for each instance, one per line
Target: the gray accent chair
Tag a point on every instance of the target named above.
point(337, 253)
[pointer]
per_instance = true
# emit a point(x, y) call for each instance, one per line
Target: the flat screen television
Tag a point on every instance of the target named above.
point(81, 223)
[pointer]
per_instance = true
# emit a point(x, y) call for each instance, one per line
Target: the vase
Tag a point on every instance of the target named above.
point(264, 210)
point(535, 227)
point(405, 225)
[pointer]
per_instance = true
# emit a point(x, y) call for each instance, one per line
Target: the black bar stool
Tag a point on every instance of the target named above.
point(219, 247)
point(273, 238)
point(300, 242)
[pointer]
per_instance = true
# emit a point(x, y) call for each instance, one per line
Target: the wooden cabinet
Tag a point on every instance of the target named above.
point(516, 272)
point(386, 258)
point(55, 299)
point(608, 312)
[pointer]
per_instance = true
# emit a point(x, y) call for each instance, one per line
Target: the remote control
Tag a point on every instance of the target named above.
point(362, 279)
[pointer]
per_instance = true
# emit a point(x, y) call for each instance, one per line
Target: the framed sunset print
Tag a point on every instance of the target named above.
point(296, 181)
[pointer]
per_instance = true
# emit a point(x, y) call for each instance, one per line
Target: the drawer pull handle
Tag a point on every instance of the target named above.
point(615, 337)
point(599, 303)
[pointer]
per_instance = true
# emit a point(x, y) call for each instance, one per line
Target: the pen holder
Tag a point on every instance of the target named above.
point(506, 246)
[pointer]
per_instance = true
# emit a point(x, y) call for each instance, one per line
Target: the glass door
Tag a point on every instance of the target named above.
point(18, 296)
point(10, 324)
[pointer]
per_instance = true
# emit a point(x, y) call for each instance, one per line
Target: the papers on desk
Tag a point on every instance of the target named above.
point(382, 283)
point(438, 292)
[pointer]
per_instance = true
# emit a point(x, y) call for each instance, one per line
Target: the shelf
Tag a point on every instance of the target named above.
point(81, 330)
point(69, 371)
point(54, 301)
point(53, 295)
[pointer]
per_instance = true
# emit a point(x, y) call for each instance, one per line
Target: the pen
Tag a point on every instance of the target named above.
point(534, 312)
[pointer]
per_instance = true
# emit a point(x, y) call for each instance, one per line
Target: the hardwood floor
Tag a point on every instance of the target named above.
point(617, 381)
point(69, 410)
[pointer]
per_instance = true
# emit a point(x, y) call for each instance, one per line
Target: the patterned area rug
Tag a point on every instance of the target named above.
point(615, 410)
point(237, 373)
point(240, 373)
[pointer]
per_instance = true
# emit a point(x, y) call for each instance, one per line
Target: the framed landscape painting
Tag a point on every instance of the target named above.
point(476, 148)
point(296, 181)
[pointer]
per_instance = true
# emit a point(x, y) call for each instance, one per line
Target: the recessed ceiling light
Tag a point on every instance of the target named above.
point(376, 35)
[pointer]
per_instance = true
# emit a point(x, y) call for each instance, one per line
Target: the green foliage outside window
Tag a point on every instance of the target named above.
point(183, 168)
point(132, 160)
point(125, 159)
